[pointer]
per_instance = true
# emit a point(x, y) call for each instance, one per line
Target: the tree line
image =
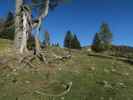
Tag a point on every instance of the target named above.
point(102, 40)
point(23, 23)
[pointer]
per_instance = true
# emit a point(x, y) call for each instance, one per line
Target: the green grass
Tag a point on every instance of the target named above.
point(93, 78)
point(4, 44)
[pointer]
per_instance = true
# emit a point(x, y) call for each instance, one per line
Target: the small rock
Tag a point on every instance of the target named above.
point(8, 75)
point(92, 68)
point(122, 85)
point(126, 74)
point(14, 70)
point(27, 82)
point(62, 98)
point(60, 69)
point(114, 70)
point(106, 70)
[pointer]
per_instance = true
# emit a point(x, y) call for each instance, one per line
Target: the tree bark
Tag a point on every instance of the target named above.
point(23, 26)
point(42, 16)
point(18, 24)
point(22, 21)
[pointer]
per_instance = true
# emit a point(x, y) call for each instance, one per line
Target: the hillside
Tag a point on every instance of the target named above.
point(5, 45)
point(91, 77)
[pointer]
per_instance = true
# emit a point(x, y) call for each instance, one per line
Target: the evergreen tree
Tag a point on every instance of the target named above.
point(10, 17)
point(68, 39)
point(71, 41)
point(105, 33)
point(7, 27)
point(102, 40)
point(97, 43)
point(76, 43)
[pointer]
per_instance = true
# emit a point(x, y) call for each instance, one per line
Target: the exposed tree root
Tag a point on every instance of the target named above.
point(43, 57)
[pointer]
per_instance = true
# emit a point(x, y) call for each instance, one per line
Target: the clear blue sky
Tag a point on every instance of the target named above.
point(84, 17)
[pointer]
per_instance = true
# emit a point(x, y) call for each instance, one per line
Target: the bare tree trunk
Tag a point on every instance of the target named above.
point(23, 26)
point(18, 24)
point(23, 45)
point(37, 44)
point(40, 18)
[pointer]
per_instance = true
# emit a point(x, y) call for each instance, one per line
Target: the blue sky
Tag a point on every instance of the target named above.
point(84, 17)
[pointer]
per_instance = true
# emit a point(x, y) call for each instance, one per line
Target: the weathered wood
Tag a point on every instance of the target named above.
point(23, 25)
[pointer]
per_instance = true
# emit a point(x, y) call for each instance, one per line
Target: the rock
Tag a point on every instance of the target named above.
point(62, 98)
point(77, 72)
point(122, 84)
point(14, 70)
point(126, 74)
point(92, 68)
point(89, 50)
point(27, 82)
point(8, 75)
point(114, 70)
point(106, 70)
point(60, 69)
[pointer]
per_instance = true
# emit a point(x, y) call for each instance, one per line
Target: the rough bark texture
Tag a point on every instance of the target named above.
point(27, 28)
point(42, 16)
point(23, 26)
point(18, 24)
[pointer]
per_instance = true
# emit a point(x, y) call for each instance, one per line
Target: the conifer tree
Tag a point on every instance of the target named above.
point(76, 43)
point(102, 40)
point(71, 41)
point(7, 27)
point(68, 39)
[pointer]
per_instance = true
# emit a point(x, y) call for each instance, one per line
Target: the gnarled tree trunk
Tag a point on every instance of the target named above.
point(42, 16)
point(18, 24)
point(23, 26)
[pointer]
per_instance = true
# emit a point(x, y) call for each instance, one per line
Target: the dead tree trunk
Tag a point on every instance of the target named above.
point(18, 24)
point(23, 26)
point(27, 27)
point(37, 44)
point(37, 25)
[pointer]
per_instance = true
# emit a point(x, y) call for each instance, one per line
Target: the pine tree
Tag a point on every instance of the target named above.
point(97, 43)
point(68, 39)
point(102, 40)
point(8, 27)
point(71, 41)
point(10, 17)
point(105, 33)
point(75, 43)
